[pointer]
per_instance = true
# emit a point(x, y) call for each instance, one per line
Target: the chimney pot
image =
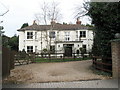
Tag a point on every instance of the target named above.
point(34, 22)
point(78, 21)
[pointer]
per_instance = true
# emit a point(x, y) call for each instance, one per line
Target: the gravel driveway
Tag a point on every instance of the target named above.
point(53, 72)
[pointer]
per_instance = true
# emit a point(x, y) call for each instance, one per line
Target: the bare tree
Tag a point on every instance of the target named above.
point(54, 12)
point(49, 13)
point(81, 11)
point(43, 15)
point(7, 10)
point(2, 14)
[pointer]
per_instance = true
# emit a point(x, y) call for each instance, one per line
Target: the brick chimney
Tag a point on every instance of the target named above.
point(52, 22)
point(78, 21)
point(34, 22)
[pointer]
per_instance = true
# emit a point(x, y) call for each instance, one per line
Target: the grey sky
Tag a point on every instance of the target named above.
point(23, 11)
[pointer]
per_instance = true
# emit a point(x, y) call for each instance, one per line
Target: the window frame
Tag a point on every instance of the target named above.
point(52, 34)
point(29, 35)
point(67, 36)
point(35, 35)
point(29, 49)
point(82, 34)
point(52, 48)
point(85, 47)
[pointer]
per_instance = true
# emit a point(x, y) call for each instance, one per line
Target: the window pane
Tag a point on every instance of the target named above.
point(82, 33)
point(52, 34)
point(68, 38)
point(29, 49)
point(29, 35)
point(52, 49)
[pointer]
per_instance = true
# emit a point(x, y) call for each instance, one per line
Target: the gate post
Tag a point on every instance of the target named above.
point(115, 47)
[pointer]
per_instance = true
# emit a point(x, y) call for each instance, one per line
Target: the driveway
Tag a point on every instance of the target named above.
point(54, 72)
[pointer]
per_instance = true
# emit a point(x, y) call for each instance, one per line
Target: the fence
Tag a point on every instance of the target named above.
point(7, 62)
point(103, 64)
point(60, 55)
point(47, 57)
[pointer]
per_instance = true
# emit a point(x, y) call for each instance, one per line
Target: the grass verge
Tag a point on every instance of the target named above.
point(98, 72)
point(40, 60)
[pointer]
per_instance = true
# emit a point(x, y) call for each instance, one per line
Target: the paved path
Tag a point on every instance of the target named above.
point(78, 84)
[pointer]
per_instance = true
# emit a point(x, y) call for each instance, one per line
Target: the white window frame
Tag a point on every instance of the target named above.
point(30, 35)
point(52, 34)
point(29, 49)
point(82, 34)
point(67, 36)
point(35, 35)
point(77, 34)
point(35, 48)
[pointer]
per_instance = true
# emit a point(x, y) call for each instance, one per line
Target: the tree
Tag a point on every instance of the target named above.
point(13, 42)
point(106, 26)
point(83, 51)
point(24, 25)
point(1, 28)
point(105, 17)
point(5, 41)
point(49, 13)
point(43, 14)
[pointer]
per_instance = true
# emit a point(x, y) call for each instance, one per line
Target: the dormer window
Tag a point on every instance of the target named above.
point(29, 35)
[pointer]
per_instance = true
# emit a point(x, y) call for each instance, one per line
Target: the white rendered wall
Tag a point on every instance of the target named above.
point(60, 36)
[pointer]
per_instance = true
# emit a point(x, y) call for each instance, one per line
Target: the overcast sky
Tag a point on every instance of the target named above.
point(23, 11)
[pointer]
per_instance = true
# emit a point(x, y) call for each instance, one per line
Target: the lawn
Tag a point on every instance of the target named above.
point(38, 60)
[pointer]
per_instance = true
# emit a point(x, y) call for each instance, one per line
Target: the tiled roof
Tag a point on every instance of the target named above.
point(55, 27)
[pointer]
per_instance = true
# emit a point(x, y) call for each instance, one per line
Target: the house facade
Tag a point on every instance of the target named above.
point(56, 38)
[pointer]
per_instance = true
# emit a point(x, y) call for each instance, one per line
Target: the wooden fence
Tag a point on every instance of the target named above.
point(7, 62)
point(100, 64)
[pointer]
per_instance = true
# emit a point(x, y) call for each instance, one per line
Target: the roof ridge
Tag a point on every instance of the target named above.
point(56, 27)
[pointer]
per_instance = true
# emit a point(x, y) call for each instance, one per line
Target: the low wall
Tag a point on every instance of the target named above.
point(115, 46)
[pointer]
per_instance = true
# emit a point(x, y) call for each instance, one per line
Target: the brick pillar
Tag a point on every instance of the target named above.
point(115, 44)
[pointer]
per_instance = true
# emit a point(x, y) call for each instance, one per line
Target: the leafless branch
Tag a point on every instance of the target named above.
point(82, 10)
point(7, 10)
point(4, 13)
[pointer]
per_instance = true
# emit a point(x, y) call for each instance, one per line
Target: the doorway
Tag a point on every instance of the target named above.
point(68, 50)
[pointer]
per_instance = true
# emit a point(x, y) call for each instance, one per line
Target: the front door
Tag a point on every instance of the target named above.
point(68, 50)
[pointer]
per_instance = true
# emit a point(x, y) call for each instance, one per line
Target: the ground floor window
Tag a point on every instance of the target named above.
point(29, 49)
point(52, 49)
point(84, 46)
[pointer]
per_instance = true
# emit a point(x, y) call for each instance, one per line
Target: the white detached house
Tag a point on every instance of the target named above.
point(58, 38)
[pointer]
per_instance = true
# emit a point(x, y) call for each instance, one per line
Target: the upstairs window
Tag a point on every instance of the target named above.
point(29, 35)
point(29, 49)
point(83, 34)
point(67, 36)
point(51, 34)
